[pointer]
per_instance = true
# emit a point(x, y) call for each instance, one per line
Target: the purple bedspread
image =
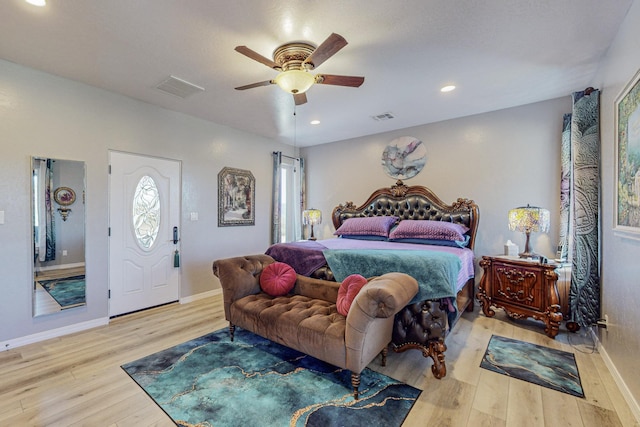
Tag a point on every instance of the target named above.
point(305, 257)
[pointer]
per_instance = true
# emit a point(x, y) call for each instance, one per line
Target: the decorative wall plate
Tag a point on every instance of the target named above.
point(64, 196)
point(404, 157)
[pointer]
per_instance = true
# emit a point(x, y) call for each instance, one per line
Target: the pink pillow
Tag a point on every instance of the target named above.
point(277, 279)
point(367, 226)
point(426, 229)
point(349, 288)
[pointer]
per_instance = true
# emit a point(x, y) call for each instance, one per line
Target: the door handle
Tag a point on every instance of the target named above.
point(175, 235)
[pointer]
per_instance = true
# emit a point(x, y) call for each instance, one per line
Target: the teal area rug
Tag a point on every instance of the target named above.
point(68, 292)
point(211, 381)
point(544, 366)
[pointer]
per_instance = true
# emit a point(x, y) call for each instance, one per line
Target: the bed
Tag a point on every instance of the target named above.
point(442, 261)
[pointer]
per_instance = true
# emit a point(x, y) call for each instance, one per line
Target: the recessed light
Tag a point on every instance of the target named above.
point(448, 88)
point(39, 3)
point(315, 122)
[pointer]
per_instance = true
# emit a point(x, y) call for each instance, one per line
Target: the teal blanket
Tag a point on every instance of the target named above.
point(436, 272)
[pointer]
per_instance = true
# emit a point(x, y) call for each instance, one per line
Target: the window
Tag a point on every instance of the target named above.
point(146, 212)
point(287, 198)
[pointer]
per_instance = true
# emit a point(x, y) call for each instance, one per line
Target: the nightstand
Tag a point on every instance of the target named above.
point(523, 288)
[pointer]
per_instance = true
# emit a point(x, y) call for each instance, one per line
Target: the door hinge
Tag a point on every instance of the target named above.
point(109, 232)
point(109, 292)
point(109, 169)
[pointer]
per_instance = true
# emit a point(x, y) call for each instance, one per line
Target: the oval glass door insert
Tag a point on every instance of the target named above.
point(146, 212)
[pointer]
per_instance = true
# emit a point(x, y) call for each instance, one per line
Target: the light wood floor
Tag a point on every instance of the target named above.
point(76, 380)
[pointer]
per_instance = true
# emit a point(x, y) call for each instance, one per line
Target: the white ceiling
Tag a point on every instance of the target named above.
point(499, 54)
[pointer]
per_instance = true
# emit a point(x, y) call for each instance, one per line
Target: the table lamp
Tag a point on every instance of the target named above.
point(528, 219)
point(312, 217)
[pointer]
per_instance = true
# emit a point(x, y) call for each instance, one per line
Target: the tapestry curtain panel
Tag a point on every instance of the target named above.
point(579, 241)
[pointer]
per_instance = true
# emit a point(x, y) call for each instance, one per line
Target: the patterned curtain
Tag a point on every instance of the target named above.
point(303, 200)
point(45, 232)
point(579, 206)
point(275, 200)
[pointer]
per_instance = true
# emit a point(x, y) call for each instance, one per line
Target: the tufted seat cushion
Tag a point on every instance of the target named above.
point(309, 325)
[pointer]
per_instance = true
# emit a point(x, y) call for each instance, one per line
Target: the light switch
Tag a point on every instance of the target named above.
point(194, 216)
point(1, 217)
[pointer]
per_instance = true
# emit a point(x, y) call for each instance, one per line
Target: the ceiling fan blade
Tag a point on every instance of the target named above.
point(257, 57)
point(326, 50)
point(300, 98)
point(252, 85)
point(332, 79)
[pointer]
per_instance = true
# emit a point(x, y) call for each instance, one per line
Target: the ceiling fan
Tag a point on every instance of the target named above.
point(295, 60)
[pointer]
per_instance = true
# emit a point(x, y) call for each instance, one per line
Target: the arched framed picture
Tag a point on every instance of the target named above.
point(236, 197)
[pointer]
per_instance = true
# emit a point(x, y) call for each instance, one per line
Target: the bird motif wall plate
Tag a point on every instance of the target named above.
point(404, 157)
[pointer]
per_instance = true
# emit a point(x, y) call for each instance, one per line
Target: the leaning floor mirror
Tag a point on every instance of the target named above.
point(58, 218)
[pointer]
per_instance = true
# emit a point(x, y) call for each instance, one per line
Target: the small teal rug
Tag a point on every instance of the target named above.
point(544, 366)
point(68, 292)
point(211, 381)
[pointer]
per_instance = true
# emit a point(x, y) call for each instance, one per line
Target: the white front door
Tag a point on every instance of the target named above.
point(144, 211)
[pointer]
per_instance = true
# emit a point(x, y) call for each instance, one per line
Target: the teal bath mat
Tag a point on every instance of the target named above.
point(68, 292)
point(544, 366)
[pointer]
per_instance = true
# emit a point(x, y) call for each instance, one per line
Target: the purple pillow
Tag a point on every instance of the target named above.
point(369, 226)
point(426, 229)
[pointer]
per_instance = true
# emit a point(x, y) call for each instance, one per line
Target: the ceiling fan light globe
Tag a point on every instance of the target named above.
point(295, 81)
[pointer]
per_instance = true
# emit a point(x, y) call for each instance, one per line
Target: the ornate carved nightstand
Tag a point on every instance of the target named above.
point(523, 288)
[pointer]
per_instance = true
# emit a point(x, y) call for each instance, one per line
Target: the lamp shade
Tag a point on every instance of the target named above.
point(312, 216)
point(527, 219)
point(295, 81)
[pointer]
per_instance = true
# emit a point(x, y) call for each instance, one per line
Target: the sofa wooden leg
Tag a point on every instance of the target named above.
point(355, 383)
point(384, 356)
point(436, 352)
point(232, 330)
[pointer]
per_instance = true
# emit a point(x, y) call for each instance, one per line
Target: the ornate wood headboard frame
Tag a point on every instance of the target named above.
point(414, 202)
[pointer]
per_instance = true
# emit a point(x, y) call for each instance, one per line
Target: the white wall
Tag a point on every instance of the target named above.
point(620, 267)
point(47, 116)
point(501, 160)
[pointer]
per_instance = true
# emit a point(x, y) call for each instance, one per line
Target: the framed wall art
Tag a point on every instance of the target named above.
point(236, 197)
point(627, 151)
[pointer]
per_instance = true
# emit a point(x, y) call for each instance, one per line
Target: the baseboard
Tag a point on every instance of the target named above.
point(622, 386)
point(200, 296)
point(53, 333)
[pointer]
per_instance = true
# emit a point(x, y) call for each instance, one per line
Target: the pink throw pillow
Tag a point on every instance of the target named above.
point(347, 292)
point(277, 279)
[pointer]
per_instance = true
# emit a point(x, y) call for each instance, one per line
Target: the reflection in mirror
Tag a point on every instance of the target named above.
point(58, 215)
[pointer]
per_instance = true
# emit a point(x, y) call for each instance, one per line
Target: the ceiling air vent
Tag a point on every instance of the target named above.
point(382, 117)
point(178, 87)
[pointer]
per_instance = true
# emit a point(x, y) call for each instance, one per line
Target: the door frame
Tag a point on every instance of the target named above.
point(179, 221)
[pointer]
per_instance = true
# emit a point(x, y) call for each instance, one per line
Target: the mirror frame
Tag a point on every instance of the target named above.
point(60, 284)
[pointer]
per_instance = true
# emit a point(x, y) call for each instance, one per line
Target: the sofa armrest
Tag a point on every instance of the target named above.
point(240, 276)
point(385, 295)
point(371, 317)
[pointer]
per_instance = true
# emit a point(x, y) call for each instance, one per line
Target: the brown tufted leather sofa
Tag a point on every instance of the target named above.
point(307, 320)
